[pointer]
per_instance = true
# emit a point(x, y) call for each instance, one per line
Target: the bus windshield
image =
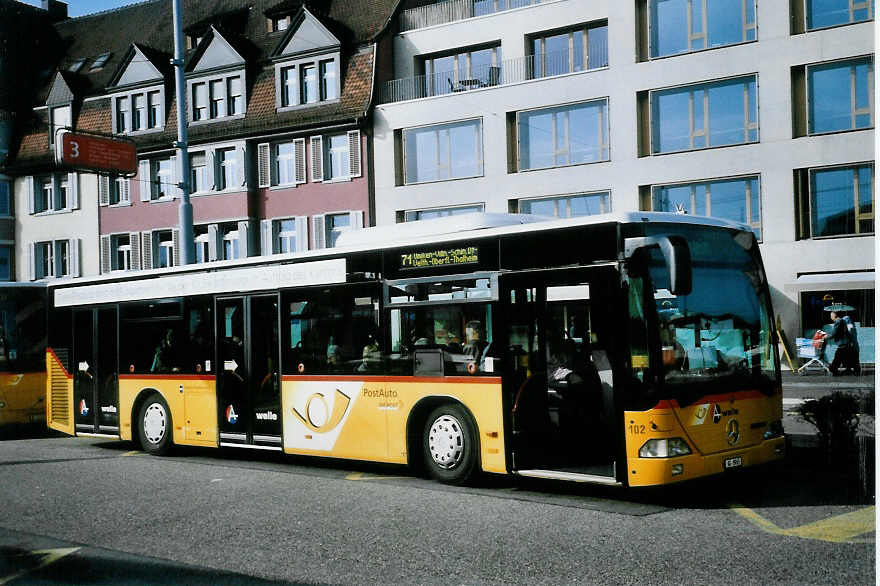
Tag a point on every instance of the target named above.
point(721, 332)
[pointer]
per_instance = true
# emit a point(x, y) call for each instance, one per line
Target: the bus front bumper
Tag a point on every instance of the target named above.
point(658, 471)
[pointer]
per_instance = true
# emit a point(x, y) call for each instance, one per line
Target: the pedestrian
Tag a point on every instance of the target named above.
point(840, 335)
point(853, 354)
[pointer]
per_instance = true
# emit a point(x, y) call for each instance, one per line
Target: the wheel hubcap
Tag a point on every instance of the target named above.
point(446, 442)
point(155, 423)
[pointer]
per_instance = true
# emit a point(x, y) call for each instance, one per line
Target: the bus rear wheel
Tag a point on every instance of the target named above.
point(450, 444)
point(154, 425)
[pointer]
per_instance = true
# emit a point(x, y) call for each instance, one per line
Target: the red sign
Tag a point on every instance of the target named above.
point(97, 153)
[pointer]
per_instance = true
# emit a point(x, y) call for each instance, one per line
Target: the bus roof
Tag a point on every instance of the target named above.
point(156, 283)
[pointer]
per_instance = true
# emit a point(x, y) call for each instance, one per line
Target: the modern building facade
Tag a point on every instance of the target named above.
point(759, 112)
point(277, 106)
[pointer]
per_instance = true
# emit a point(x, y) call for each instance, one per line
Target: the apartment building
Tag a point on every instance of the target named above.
point(278, 97)
point(759, 112)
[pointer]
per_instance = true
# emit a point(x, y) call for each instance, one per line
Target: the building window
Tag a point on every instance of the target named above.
point(841, 201)
point(120, 245)
point(682, 26)
point(278, 23)
point(218, 108)
point(284, 165)
point(737, 199)
point(52, 259)
point(200, 101)
point(51, 193)
point(326, 228)
point(443, 151)
point(329, 84)
point(704, 115)
point(154, 106)
point(567, 51)
point(564, 135)
point(234, 97)
point(164, 249)
point(198, 172)
point(227, 168)
point(288, 86)
point(5, 262)
point(336, 224)
point(286, 235)
point(118, 188)
point(828, 13)
point(462, 70)
point(5, 199)
point(161, 178)
point(122, 115)
point(430, 214)
point(231, 249)
point(337, 163)
point(100, 61)
point(567, 206)
point(201, 238)
point(308, 83)
point(841, 96)
point(139, 114)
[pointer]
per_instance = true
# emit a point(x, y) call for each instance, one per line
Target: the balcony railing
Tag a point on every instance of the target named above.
point(453, 10)
point(507, 72)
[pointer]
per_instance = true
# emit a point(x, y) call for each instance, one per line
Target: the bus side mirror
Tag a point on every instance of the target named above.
point(676, 254)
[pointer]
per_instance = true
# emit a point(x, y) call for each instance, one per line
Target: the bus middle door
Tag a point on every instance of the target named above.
point(95, 364)
point(249, 393)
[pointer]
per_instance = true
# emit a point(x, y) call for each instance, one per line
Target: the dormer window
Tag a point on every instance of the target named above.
point(217, 98)
point(100, 61)
point(216, 81)
point(278, 23)
point(137, 95)
point(76, 65)
point(192, 41)
point(307, 64)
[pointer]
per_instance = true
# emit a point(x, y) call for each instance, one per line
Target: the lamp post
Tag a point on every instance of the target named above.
point(184, 212)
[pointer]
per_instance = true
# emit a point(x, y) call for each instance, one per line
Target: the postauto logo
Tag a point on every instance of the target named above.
point(318, 416)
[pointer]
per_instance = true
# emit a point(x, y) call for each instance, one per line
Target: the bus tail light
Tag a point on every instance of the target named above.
point(664, 448)
point(774, 430)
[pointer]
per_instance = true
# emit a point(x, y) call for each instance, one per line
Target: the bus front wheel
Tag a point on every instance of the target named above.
point(450, 444)
point(154, 425)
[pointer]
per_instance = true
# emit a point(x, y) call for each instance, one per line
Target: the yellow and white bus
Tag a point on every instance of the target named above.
point(632, 350)
point(22, 348)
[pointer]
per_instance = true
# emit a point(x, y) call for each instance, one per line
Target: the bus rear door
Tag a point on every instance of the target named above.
point(95, 368)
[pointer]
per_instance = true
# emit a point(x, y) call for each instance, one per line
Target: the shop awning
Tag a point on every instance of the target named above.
point(832, 281)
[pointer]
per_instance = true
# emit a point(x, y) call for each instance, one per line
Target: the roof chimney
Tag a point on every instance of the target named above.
point(57, 10)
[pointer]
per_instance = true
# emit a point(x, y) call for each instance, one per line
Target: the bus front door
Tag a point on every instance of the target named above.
point(560, 340)
point(249, 391)
point(95, 363)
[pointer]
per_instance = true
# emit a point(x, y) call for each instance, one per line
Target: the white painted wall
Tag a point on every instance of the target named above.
point(774, 157)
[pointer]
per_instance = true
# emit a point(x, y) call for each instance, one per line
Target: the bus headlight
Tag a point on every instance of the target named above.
point(664, 448)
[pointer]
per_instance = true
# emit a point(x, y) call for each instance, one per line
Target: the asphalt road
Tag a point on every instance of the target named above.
point(78, 510)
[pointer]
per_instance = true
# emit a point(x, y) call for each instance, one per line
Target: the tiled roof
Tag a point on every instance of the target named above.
point(149, 24)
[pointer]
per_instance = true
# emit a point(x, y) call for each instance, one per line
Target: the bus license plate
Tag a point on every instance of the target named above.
point(733, 462)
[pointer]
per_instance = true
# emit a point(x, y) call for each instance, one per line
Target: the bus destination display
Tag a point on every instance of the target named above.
point(440, 257)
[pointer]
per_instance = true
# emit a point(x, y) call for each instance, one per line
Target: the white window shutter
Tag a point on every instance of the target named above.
point(243, 238)
point(73, 257)
point(212, 170)
point(264, 165)
point(242, 159)
point(175, 247)
point(147, 248)
point(145, 185)
point(266, 237)
point(124, 190)
point(354, 153)
point(106, 265)
point(32, 261)
point(213, 241)
point(103, 190)
point(316, 144)
point(73, 191)
point(357, 219)
point(302, 233)
point(31, 194)
point(299, 159)
point(176, 175)
point(134, 240)
point(319, 238)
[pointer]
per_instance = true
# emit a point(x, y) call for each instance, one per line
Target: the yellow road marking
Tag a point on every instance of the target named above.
point(364, 476)
point(131, 453)
point(838, 529)
point(49, 556)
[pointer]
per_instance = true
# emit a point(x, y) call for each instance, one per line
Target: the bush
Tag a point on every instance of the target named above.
point(836, 417)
